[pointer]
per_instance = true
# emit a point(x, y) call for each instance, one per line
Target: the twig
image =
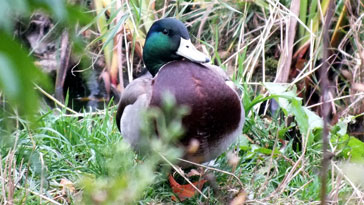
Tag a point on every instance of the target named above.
point(41, 175)
point(334, 195)
point(292, 173)
point(35, 193)
point(252, 60)
point(286, 57)
point(299, 189)
point(63, 66)
point(214, 169)
point(203, 21)
point(268, 177)
point(356, 190)
point(3, 180)
point(348, 200)
point(335, 99)
point(128, 63)
point(54, 99)
point(182, 175)
point(325, 109)
point(119, 46)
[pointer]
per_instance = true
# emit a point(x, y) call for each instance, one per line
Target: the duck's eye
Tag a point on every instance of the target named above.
point(165, 31)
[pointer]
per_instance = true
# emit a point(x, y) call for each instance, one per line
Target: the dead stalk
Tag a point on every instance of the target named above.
point(54, 99)
point(292, 173)
point(119, 46)
point(356, 189)
point(214, 169)
point(34, 193)
point(182, 175)
point(2, 175)
point(325, 109)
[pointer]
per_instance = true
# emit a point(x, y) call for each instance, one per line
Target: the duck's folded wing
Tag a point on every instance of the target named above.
point(221, 73)
point(135, 90)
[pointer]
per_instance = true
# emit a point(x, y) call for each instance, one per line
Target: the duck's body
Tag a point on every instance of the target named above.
point(216, 114)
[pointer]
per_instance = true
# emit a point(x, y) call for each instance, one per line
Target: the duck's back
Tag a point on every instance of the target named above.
point(216, 115)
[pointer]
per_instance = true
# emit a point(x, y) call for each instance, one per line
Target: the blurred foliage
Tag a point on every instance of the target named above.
point(17, 75)
point(17, 69)
point(127, 180)
point(90, 155)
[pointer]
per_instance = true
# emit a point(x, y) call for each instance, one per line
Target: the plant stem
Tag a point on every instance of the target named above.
point(325, 96)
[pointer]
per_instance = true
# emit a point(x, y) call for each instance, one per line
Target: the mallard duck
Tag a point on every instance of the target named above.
point(216, 114)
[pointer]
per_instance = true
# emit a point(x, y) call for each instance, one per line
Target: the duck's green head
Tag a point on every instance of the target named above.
point(168, 40)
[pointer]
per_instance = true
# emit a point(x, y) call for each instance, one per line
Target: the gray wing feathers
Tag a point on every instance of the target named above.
point(130, 122)
point(136, 88)
point(134, 100)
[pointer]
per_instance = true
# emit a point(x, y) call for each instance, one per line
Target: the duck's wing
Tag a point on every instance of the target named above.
point(222, 74)
point(135, 97)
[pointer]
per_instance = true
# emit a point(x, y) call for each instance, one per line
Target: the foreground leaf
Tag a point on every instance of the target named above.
point(17, 74)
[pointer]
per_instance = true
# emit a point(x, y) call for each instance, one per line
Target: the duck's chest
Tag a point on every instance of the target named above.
point(215, 109)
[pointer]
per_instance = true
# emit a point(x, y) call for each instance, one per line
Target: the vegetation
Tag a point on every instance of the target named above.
point(52, 154)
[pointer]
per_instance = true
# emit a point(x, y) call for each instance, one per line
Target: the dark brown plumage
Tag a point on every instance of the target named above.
point(215, 109)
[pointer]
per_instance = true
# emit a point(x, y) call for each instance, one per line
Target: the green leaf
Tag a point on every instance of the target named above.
point(65, 13)
point(17, 74)
point(307, 120)
point(57, 8)
point(283, 130)
point(77, 14)
point(341, 127)
point(315, 121)
point(301, 117)
point(351, 147)
point(264, 150)
point(244, 143)
point(262, 4)
point(10, 8)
